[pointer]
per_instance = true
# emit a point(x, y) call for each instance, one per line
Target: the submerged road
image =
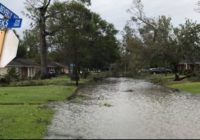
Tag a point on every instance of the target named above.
point(129, 109)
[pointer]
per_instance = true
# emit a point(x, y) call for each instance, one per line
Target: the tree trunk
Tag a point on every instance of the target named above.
point(43, 46)
point(176, 73)
point(77, 78)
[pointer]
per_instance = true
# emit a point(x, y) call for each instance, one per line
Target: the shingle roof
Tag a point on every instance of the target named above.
point(20, 62)
point(23, 63)
point(56, 64)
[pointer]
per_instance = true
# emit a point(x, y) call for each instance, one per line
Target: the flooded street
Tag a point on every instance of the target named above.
point(127, 108)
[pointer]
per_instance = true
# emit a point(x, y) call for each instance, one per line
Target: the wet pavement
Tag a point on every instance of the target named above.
point(130, 109)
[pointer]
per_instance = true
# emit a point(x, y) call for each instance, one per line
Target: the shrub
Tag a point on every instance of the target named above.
point(12, 75)
point(4, 81)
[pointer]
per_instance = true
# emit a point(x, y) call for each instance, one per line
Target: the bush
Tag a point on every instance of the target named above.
point(11, 76)
point(4, 81)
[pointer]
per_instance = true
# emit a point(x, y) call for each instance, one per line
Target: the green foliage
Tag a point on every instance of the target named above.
point(75, 35)
point(82, 37)
point(156, 43)
point(22, 51)
point(12, 75)
point(30, 42)
point(189, 40)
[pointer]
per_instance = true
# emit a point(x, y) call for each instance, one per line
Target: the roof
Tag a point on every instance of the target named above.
point(56, 64)
point(20, 62)
point(189, 62)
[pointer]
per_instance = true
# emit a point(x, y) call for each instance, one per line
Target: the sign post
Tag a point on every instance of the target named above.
point(8, 40)
point(2, 36)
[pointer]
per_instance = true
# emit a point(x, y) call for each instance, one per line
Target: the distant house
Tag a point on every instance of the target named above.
point(188, 66)
point(63, 69)
point(25, 68)
point(28, 69)
point(58, 68)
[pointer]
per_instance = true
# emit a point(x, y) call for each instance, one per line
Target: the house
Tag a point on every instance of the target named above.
point(188, 66)
point(62, 68)
point(28, 69)
point(57, 68)
point(25, 68)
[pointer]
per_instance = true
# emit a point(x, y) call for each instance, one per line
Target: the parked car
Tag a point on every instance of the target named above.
point(160, 70)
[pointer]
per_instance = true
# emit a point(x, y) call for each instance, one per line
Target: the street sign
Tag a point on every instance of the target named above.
point(10, 23)
point(9, 48)
point(7, 12)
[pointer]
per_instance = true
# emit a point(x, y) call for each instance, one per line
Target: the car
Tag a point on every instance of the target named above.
point(154, 70)
point(159, 70)
point(166, 70)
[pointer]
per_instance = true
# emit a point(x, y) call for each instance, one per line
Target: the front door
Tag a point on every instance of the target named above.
point(24, 73)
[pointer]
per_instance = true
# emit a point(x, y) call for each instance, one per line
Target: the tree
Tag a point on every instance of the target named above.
point(83, 38)
point(157, 36)
point(160, 44)
point(133, 51)
point(38, 12)
point(21, 53)
point(189, 41)
point(139, 17)
point(157, 50)
point(29, 46)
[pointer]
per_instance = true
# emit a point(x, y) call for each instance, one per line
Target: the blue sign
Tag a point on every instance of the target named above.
point(7, 13)
point(10, 23)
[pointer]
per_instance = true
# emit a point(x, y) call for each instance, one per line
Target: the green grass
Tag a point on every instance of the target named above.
point(24, 122)
point(187, 85)
point(35, 94)
point(192, 87)
point(28, 121)
point(61, 80)
point(23, 111)
point(160, 78)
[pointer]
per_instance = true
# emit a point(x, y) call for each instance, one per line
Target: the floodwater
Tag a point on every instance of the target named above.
point(130, 109)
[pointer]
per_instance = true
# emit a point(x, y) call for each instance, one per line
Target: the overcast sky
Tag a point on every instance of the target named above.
point(114, 11)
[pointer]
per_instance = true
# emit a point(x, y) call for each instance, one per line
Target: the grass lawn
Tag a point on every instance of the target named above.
point(35, 94)
point(23, 111)
point(184, 85)
point(24, 121)
point(160, 78)
point(192, 87)
point(61, 80)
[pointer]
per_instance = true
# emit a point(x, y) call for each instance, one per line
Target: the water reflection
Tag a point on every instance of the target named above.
point(128, 108)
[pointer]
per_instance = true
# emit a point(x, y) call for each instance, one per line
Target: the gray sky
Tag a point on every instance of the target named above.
point(114, 11)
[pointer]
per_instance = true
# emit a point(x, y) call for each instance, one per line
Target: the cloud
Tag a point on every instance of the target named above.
point(179, 10)
point(114, 11)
